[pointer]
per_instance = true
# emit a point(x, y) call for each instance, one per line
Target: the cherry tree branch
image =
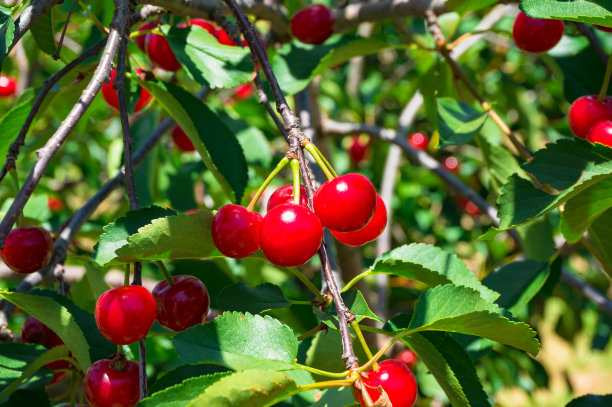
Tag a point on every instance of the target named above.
point(29, 16)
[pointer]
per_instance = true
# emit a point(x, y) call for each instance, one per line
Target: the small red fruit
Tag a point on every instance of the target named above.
point(235, 231)
point(112, 383)
point(125, 314)
point(27, 249)
point(536, 35)
point(54, 203)
point(201, 23)
point(396, 380)
point(111, 98)
point(243, 91)
point(182, 304)
point(586, 111)
point(290, 235)
point(418, 140)
point(8, 86)
point(284, 195)
point(602, 28)
point(452, 165)
point(469, 207)
point(407, 357)
point(181, 140)
point(357, 150)
point(159, 52)
point(141, 39)
point(313, 24)
point(601, 133)
point(34, 331)
point(369, 232)
point(224, 38)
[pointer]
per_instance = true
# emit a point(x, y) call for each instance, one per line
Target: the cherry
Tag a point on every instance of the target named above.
point(182, 304)
point(235, 231)
point(181, 140)
point(141, 39)
point(536, 35)
point(224, 38)
point(407, 357)
point(110, 94)
point(418, 140)
point(313, 24)
point(125, 314)
point(369, 232)
point(200, 22)
point(27, 249)
point(586, 111)
point(8, 86)
point(284, 195)
point(602, 28)
point(159, 52)
point(396, 380)
point(469, 207)
point(243, 91)
point(346, 203)
point(54, 203)
point(290, 235)
point(112, 383)
point(34, 331)
point(601, 133)
point(357, 150)
point(452, 165)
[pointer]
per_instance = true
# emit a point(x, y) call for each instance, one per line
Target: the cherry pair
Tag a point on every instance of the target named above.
point(591, 119)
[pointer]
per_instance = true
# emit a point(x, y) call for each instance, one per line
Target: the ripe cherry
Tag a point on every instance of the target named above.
point(110, 95)
point(125, 314)
point(8, 86)
point(313, 24)
point(200, 22)
point(243, 91)
point(601, 133)
point(369, 232)
point(357, 150)
point(27, 249)
point(396, 380)
point(235, 231)
point(346, 203)
point(112, 383)
point(407, 357)
point(418, 140)
point(469, 207)
point(34, 331)
point(141, 39)
point(586, 111)
point(284, 195)
point(452, 165)
point(159, 52)
point(224, 38)
point(536, 35)
point(182, 304)
point(181, 140)
point(290, 235)
point(603, 28)
point(55, 204)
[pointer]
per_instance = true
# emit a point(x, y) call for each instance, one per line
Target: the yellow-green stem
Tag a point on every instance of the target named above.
point(313, 152)
point(370, 363)
point(295, 302)
point(606, 81)
point(362, 340)
point(329, 166)
point(307, 283)
point(119, 349)
point(265, 184)
point(358, 277)
point(295, 171)
point(165, 272)
point(319, 372)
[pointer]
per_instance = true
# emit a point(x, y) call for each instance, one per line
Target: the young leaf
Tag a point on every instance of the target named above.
point(584, 11)
point(357, 305)
point(15, 359)
point(458, 123)
point(241, 297)
point(182, 394)
point(582, 210)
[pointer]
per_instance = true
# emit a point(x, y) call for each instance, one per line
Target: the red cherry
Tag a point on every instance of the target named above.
point(357, 150)
point(313, 24)
point(111, 98)
point(284, 195)
point(125, 314)
point(586, 111)
point(418, 140)
point(469, 207)
point(602, 28)
point(346, 203)
point(34, 331)
point(54, 203)
point(290, 235)
point(181, 140)
point(244, 91)
point(27, 249)
point(224, 38)
point(200, 22)
point(452, 165)
point(396, 380)
point(141, 39)
point(369, 232)
point(159, 52)
point(182, 304)
point(536, 35)
point(112, 383)
point(407, 357)
point(235, 231)
point(601, 133)
point(8, 86)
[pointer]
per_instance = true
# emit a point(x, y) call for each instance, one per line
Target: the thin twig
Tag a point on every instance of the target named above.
point(56, 55)
point(587, 31)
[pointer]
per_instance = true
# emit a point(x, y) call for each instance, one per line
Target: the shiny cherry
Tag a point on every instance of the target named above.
point(369, 232)
point(110, 95)
point(586, 111)
point(182, 304)
point(313, 24)
point(141, 39)
point(159, 52)
point(27, 249)
point(346, 203)
point(601, 133)
point(602, 28)
point(396, 380)
point(357, 150)
point(418, 140)
point(452, 165)
point(125, 314)
point(284, 195)
point(407, 357)
point(181, 140)
point(8, 86)
point(112, 383)
point(34, 331)
point(235, 231)
point(290, 235)
point(536, 35)
point(200, 22)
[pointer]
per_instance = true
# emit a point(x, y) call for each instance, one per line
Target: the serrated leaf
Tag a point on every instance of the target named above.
point(12, 122)
point(357, 305)
point(582, 210)
point(241, 297)
point(591, 12)
point(184, 393)
point(181, 374)
point(15, 359)
point(7, 30)
point(600, 232)
point(43, 33)
point(431, 265)
point(239, 341)
point(591, 400)
point(458, 123)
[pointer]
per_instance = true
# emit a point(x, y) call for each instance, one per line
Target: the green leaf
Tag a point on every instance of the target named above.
point(214, 141)
point(241, 297)
point(15, 359)
point(337, 397)
point(7, 30)
point(499, 161)
point(116, 234)
point(239, 341)
point(324, 351)
point(43, 33)
point(466, 6)
point(600, 232)
point(582, 210)
point(431, 265)
point(537, 239)
point(12, 122)
point(206, 60)
point(182, 373)
point(585, 11)
point(458, 123)
point(357, 305)
point(182, 394)
point(591, 400)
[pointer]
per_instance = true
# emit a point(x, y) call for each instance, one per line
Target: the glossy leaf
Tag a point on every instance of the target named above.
point(182, 394)
point(458, 123)
point(584, 11)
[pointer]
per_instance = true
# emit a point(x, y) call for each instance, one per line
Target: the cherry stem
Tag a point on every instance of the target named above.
point(355, 279)
point(295, 171)
point(370, 363)
point(362, 341)
point(166, 273)
point(312, 332)
point(315, 154)
point(307, 283)
point(265, 184)
point(325, 373)
point(606, 81)
point(329, 166)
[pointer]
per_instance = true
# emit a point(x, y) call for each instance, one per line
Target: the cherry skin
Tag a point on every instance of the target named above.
point(243, 91)
point(357, 150)
point(181, 140)
point(224, 38)
point(452, 165)
point(290, 235)
point(284, 195)
point(8, 86)
point(200, 22)
point(141, 39)
point(158, 49)
point(586, 111)
point(601, 133)
point(27, 249)
point(346, 203)
point(55, 204)
point(235, 231)
point(407, 357)
point(418, 140)
point(469, 207)
point(313, 24)
point(536, 35)
point(34, 331)
point(112, 383)
point(110, 95)
point(602, 28)
point(369, 232)
point(182, 304)
point(125, 314)
point(396, 380)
